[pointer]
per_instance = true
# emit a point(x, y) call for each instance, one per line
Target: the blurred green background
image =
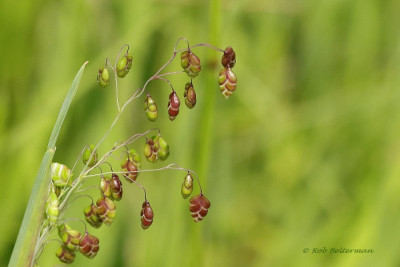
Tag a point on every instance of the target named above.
point(304, 154)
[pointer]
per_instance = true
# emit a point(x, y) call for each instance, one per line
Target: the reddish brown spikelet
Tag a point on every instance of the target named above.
point(116, 187)
point(227, 82)
point(190, 95)
point(199, 206)
point(146, 215)
point(89, 245)
point(173, 105)
point(132, 170)
point(228, 60)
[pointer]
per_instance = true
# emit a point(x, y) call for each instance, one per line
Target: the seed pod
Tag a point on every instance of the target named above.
point(173, 105)
point(150, 150)
point(187, 186)
point(60, 174)
point(227, 82)
point(106, 210)
point(150, 108)
point(190, 63)
point(131, 165)
point(199, 206)
point(68, 236)
point(87, 154)
point(89, 245)
point(124, 65)
point(116, 187)
point(103, 78)
point(146, 215)
point(92, 217)
point(190, 95)
point(65, 255)
point(228, 60)
point(132, 171)
point(162, 147)
point(105, 186)
point(52, 210)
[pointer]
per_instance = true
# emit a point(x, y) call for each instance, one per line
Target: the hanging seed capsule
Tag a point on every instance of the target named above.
point(131, 171)
point(162, 147)
point(150, 150)
point(124, 65)
point(106, 210)
point(89, 245)
point(228, 59)
point(187, 186)
point(105, 186)
point(146, 215)
point(150, 107)
point(52, 210)
point(227, 82)
point(116, 187)
point(60, 174)
point(68, 236)
point(92, 217)
point(190, 95)
point(199, 206)
point(131, 165)
point(173, 105)
point(103, 78)
point(90, 153)
point(65, 255)
point(190, 63)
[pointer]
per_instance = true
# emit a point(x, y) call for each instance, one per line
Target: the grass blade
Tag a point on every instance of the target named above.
point(24, 248)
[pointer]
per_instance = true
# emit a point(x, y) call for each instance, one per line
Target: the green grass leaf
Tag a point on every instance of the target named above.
point(24, 249)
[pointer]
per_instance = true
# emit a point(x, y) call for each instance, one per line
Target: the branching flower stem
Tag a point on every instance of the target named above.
point(78, 182)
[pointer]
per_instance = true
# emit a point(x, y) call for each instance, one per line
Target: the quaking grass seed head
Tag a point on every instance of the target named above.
point(60, 174)
point(131, 166)
point(199, 206)
point(146, 215)
point(150, 108)
point(65, 255)
point(187, 186)
point(190, 95)
point(103, 77)
point(69, 236)
point(173, 105)
point(90, 153)
point(92, 216)
point(52, 209)
point(106, 210)
point(105, 186)
point(228, 59)
point(190, 63)
point(227, 82)
point(89, 245)
point(162, 147)
point(150, 150)
point(116, 187)
point(124, 64)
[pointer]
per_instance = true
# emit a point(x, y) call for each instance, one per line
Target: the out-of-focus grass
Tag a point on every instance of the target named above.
point(304, 154)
